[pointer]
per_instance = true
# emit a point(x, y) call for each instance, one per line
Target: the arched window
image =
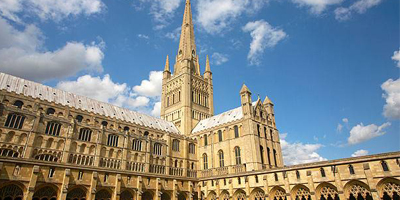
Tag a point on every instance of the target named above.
point(137, 145)
point(276, 177)
point(297, 174)
point(351, 169)
point(276, 162)
point(265, 132)
point(192, 148)
point(50, 111)
point(176, 163)
point(146, 133)
point(237, 156)
point(262, 154)
point(104, 124)
point(322, 172)
point(126, 128)
point(258, 130)
point(112, 140)
point(205, 161)
point(205, 140)
point(85, 134)
point(18, 104)
point(53, 128)
point(175, 145)
point(269, 156)
point(157, 149)
point(14, 120)
point(220, 136)
point(385, 166)
point(79, 118)
point(221, 158)
point(271, 134)
point(236, 129)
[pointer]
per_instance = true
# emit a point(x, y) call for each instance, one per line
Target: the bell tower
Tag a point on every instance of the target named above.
point(187, 95)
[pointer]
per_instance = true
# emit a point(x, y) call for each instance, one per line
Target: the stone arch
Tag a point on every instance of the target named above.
point(12, 191)
point(239, 195)
point(22, 138)
point(10, 136)
point(327, 191)
point(300, 192)
point(46, 192)
point(257, 194)
point(211, 196)
point(127, 195)
point(165, 196)
point(355, 189)
point(77, 193)
point(277, 193)
point(147, 195)
point(388, 188)
point(60, 144)
point(181, 196)
point(103, 194)
point(224, 195)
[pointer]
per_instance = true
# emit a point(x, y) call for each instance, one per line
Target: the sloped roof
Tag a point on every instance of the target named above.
point(35, 90)
point(223, 118)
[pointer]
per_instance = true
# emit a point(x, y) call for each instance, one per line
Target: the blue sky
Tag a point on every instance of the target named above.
point(331, 67)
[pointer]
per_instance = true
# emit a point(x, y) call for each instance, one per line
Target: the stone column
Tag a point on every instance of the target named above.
point(117, 188)
point(311, 185)
point(32, 183)
point(174, 190)
point(157, 195)
point(125, 150)
point(247, 182)
point(338, 182)
point(287, 186)
point(139, 187)
point(266, 190)
point(371, 183)
point(64, 186)
point(93, 185)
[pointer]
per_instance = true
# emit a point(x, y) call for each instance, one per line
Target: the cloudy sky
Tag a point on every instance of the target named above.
point(330, 66)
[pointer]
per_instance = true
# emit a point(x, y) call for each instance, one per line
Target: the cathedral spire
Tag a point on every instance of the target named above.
point(187, 46)
point(208, 69)
point(166, 69)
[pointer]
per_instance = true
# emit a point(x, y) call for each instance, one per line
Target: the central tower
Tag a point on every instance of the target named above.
point(187, 95)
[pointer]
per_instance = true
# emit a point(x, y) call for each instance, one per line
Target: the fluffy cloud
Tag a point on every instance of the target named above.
point(143, 36)
point(22, 54)
point(361, 133)
point(106, 90)
point(360, 152)
point(396, 57)
point(219, 59)
point(264, 36)
point(316, 6)
point(391, 88)
point(359, 7)
point(174, 35)
point(151, 87)
point(49, 9)
point(298, 153)
point(162, 10)
point(217, 15)
point(339, 127)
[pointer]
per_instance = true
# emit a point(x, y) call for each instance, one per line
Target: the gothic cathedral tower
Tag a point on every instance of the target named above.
point(187, 96)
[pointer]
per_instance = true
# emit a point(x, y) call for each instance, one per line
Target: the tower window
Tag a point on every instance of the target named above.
point(85, 134)
point(221, 158)
point(322, 172)
point(220, 135)
point(276, 162)
point(271, 134)
point(256, 178)
point(258, 130)
point(297, 174)
point(236, 129)
point(14, 120)
point(385, 166)
point(53, 128)
point(351, 169)
point(80, 175)
point(262, 154)
point(51, 172)
point(276, 177)
point(79, 118)
point(112, 140)
point(237, 156)
point(205, 140)
point(192, 148)
point(50, 111)
point(175, 145)
point(205, 161)
point(18, 104)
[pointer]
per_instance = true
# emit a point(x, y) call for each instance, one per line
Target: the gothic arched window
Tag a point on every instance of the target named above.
point(262, 154)
point(351, 169)
point(236, 130)
point(112, 140)
point(220, 136)
point(205, 161)
point(175, 145)
point(385, 166)
point(237, 156)
point(221, 158)
point(85, 134)
point(18, 104)
point(53, 128)
point(14, 120)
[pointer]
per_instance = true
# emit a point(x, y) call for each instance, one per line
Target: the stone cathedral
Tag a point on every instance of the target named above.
point(56, 145)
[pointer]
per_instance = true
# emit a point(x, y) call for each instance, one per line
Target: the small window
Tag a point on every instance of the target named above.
point(129, 178)
point(50, 111)
point(79, 118)
point(265, 132)
point(104, 124)
point(271, 134)
point(105, 177)
point(256, 178)
point(224, 181)
point(351, 169)
point(239, 181)
point(18, 104)
point(14, 120)
point(220, 136)
point(205, 140)
point(192, 148)
point(385, 166)
point(53, 128)
point(236, 129)
point(175, 145)
point(80, 175)
point(146, 133)
point(258, 130)
point(276, 177)
point(221, 158)
point(205, 161)
point(51, 172)
point(85, 134)
point(322, 172)
point(297, 174)
point(126, 128)
point(112, 140)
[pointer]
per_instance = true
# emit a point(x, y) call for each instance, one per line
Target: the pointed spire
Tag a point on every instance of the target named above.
point(166, 69)
point(267, 100)
point(187, 46)
point(244, 89)
point(208, 69)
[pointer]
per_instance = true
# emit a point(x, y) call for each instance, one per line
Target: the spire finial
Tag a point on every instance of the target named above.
point(166, 69)
point(187, 47)
point(208, 68)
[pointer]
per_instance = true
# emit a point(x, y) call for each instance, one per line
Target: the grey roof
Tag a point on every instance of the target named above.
point(39, 91)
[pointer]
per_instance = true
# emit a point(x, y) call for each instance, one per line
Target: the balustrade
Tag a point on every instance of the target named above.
point(78, 159)
point(157, 169)
point(134, 166)
point(238, 168)
point(222, 171)
point(175, 171)
point(110, 163)
point(192, 173)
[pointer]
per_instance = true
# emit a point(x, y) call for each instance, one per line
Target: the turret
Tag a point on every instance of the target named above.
point(167, 72)
point(270, 109)
point(208, 73)
point(245, 97)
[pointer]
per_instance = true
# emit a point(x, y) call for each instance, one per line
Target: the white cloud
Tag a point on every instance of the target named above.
point(391, 88)
point(396, 57)
point(143, 36)
point(298, 153)
point(359, 7)
point(219, 59)
point(339, 128)
point(264, 36)
point(22, 54)
point(162, 10)
point(345, 120)
point(361, 133)
point(151, 87)
point(360, 152)
point(174, 35)
point(214, 16)
point(156, 109)
point(49, 9)
point(316, 6)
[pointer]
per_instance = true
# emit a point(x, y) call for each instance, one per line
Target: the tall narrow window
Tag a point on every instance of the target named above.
point(112, 140)
point(220, 136)
point(351, 169)
point(237, 156)
point(265, 132)
point(221, 158)
point(14, 120)
point(175, 145)
point(205, 161)
point(85, 134)
point(322, 172)
point(53, 128)
point(271, 134)
point(137, 145)
point(275, 156)
point(192, 148)
point(80, 175)
point(51, 172)
point(262, 154)
point(258, 130)
point(385, 166)
point(157, 149)
point(205, 140)
point(236, 129)
point(297, 174)
point(269, 156)
point(276, 177)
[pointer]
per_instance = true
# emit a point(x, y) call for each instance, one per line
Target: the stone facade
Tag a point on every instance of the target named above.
point(58, 145)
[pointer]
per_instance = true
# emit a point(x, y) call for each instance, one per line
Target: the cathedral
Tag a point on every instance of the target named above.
point(56, 145)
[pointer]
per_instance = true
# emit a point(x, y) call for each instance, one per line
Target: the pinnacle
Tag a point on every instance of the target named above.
point(244, 89)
